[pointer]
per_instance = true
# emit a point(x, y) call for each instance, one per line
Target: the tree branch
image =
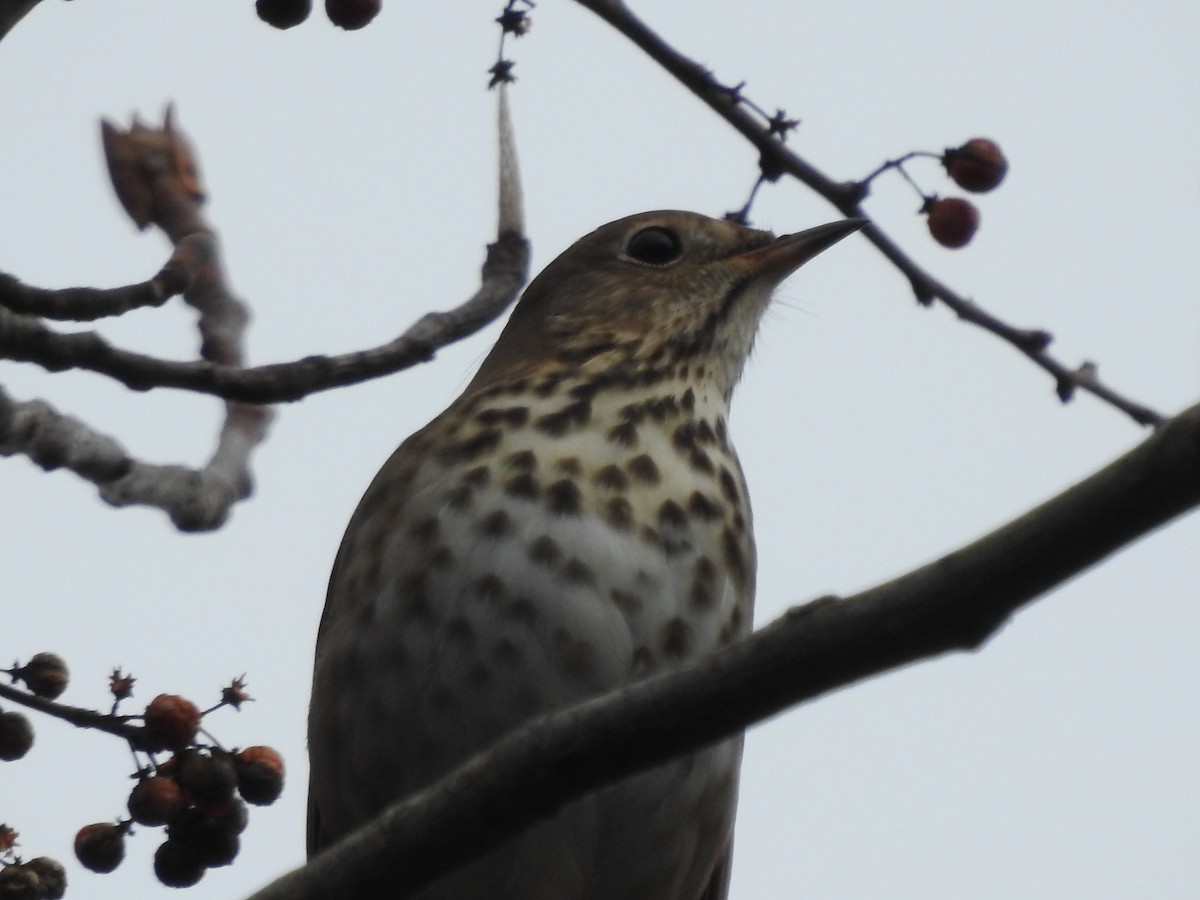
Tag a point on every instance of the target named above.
point(954, 603)
point(775, 159)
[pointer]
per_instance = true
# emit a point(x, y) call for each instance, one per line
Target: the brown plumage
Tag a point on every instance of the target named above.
point(577, 519)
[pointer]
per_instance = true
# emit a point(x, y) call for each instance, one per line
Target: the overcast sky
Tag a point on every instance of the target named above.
point(352, 176)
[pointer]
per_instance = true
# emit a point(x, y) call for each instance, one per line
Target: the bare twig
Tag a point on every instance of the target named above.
point(83, 304)
point(118, 726)
point(504, 273)
point(847, 197)
point(955, 603)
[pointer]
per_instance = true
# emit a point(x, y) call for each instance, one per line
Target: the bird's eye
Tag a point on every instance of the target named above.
point(654, 246)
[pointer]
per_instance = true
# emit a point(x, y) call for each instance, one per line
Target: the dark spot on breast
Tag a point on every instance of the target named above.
point(628, 603)
point(495, 524)
point(459, 631)
point(545, 551)
point(521, 610)
point(662, 408)
point(619, 513)
point(522, 461)
point(425, 531)
point(632, 412)
point(568, 465)
point(729, 485)
point(676, 638)
point(704, 432)
point(475, 446)
point(511, 416)
point(547, 385)
point(699, 461)
point(563, 498)
point(701, 593)
point(735, 558)
point(684, 436)
point(625, 434)
point(644, 469)
point(460, 498)
point(477, 477)
point(488, 588)
point(524, 486)
point(722, 434)
point(671, 515)
point(556, 424)
point(688, 400)
point(612, 478)
point(578, 572)
point(507, 654)
point(703, 506)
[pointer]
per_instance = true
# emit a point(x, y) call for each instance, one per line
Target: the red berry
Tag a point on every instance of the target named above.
point(156, 801)
point(45, 674)
point(16, 736)
point(259, 774)
point(952, 221)
point(18, 882)
point(52, 876)
point(177, 865)
point(352, 14)
point(976, 166)
point(214, 841)
point(170, 722)
point(232, 816)
point(100, 846)
point(283, 13)
point(209, 778)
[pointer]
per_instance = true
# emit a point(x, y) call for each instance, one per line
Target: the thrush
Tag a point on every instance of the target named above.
point(576, 520)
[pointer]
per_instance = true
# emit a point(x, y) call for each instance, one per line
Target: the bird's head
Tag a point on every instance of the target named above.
point(653, 292)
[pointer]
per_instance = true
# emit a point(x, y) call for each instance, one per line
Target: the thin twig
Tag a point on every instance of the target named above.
point(847, 197)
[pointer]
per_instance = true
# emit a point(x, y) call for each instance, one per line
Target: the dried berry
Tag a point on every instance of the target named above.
point(209, 778)
point(235, 694)
point(283, 13)
point(976, 166)
point(177, 865)
point(170, 722)
point(45, 675)
point(214, 841)
point(952, 221)
point(52, 876)
point(259, 775)
point(156, 801)
point(120, 685)
point(16, 736)
point(17, 882)
point(352, 14)
point(100, 846)
point(232, 816)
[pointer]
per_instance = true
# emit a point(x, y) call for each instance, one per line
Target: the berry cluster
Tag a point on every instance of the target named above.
point(199, 792)
point(977, 166)
point(41, 878)
point(348, 14)
point(200, 795)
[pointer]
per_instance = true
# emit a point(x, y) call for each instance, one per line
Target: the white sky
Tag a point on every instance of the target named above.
point(352, 181)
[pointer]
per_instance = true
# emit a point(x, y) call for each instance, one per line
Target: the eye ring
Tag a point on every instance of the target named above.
point(654, 246)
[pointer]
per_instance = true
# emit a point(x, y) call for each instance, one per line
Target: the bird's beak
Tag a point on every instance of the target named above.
point(785, 255)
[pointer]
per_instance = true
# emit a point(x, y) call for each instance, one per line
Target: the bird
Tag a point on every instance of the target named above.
point(576, 520)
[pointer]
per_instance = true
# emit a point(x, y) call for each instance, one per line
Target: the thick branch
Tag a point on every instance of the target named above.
point(847, 197)
point(954, 603)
